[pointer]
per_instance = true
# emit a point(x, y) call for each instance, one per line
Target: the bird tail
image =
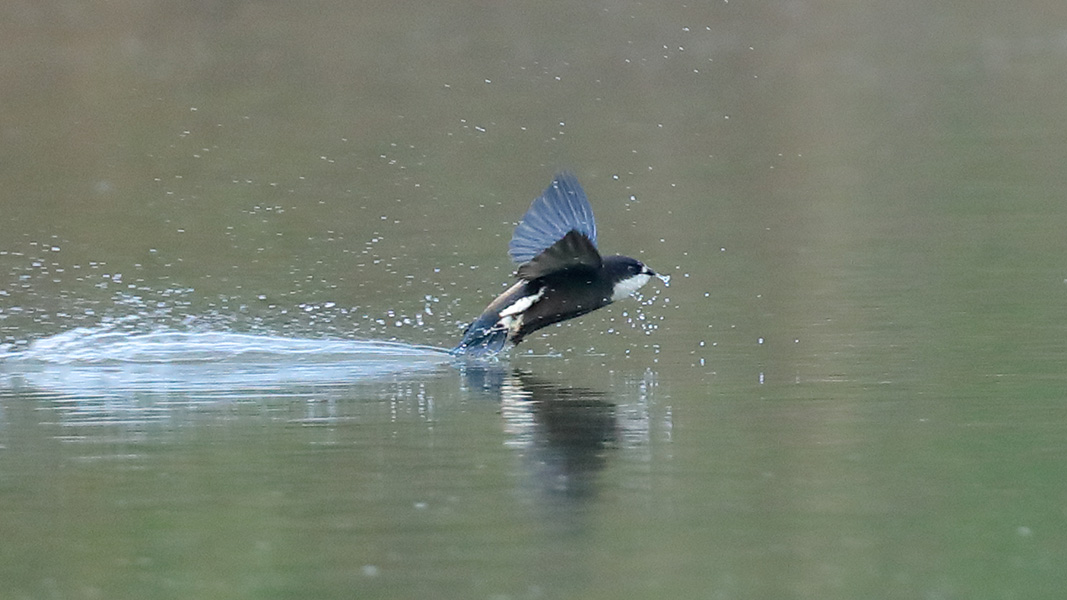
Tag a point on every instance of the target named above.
point(481, 341)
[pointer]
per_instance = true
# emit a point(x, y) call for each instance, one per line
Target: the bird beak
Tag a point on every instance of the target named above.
point(666, 279)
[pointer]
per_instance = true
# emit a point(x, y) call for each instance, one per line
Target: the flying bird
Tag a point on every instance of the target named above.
point(561, 274)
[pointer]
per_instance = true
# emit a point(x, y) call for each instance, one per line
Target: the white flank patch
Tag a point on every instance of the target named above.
point(524, 303)
point(628, 286)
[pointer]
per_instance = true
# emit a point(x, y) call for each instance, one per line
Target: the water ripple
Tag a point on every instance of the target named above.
point(100, 363)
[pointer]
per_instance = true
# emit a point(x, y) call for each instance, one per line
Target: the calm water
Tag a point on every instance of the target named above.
point(235, 235)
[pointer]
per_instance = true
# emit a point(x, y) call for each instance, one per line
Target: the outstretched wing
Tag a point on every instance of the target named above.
point(574, 251)
point(562, 208)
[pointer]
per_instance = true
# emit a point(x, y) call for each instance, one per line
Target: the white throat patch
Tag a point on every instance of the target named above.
point(628, 286)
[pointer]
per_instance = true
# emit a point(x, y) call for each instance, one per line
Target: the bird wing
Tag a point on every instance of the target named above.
point(574, 250)
point(562, 208)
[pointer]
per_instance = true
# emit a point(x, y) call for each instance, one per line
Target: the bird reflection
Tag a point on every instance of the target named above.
point(565, 434)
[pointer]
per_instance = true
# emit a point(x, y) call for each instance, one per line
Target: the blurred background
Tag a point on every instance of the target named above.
point(854, 385)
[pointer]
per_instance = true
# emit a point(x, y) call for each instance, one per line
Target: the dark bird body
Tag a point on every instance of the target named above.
point(561, 273)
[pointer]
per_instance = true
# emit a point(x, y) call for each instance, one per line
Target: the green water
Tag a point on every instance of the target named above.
point(853, 388)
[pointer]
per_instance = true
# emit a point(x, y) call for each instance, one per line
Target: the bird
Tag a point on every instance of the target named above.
point(561, 274)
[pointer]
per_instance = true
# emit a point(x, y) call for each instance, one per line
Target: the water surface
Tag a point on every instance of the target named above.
point(234, 237)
